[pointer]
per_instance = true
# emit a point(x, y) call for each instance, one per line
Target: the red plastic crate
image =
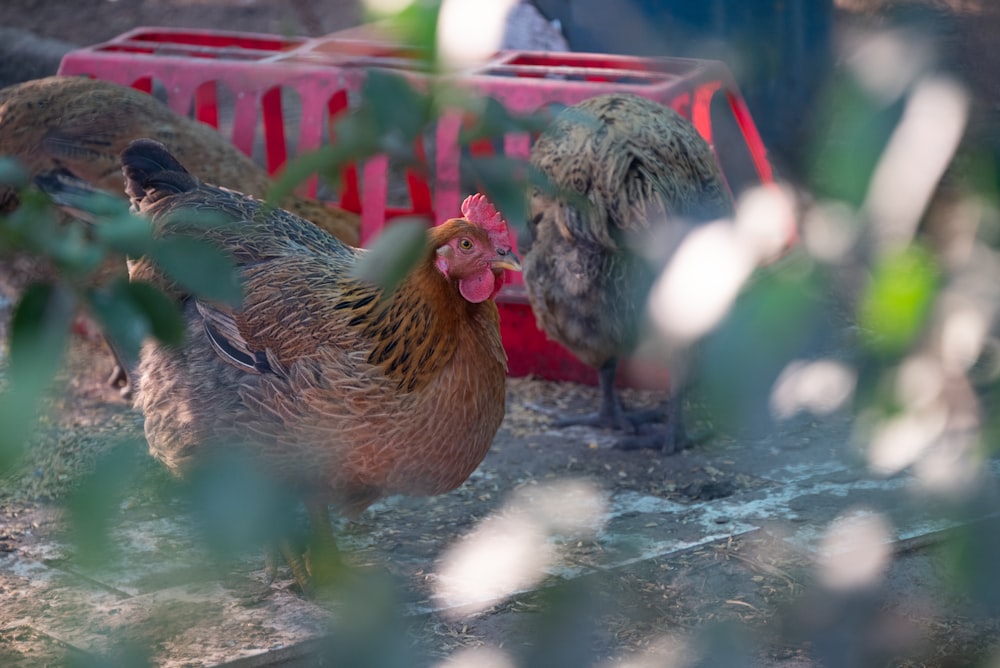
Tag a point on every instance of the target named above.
point(195, 66)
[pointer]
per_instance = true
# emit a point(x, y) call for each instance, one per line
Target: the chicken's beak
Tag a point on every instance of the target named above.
point(505, 259)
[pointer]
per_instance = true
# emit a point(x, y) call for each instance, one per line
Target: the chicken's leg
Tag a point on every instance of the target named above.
point(612, 415)
point(119, 378)
point(324, 561)
point(321, 566)
point(297, 565)
point(671, 439)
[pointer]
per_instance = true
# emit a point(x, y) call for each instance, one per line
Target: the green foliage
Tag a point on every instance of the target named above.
point(775, 320)
point(396, 251)
point(198, 266)
point(12, 172)
point(396, 110)
point(121, 232)
point(131, 312)
point(493, 120)
point(240, 506)
point(502, 180)
point(38, 335)
point(94, 504)
point(33, 227)
point(393, 117)
point(853, 131)
point(415, 25)
point(128, 312)
point(898, 298)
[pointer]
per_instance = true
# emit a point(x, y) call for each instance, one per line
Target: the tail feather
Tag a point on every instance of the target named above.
point(152, 173)
point(77, 197)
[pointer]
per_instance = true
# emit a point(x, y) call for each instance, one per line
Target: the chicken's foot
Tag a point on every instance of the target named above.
point(613, 416)
point(671, 439)
point(297, 565)
point(317, 568)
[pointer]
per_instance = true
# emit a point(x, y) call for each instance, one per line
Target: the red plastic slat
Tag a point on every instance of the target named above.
point(206, 104)
point(350, 197)
point(274, 129)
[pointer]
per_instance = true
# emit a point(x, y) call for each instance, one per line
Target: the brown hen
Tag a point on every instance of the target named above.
point(326, 382)
point(627, 174)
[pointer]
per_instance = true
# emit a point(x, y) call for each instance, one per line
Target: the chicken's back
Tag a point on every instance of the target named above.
point(83, 124)
point(628, 172)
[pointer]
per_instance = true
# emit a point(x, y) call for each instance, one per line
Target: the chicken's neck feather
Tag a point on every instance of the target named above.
point(419, 328)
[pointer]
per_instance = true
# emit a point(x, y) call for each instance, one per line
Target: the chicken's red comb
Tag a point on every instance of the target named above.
point(477, 209)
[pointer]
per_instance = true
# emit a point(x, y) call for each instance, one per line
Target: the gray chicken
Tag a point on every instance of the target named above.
point(625, 173)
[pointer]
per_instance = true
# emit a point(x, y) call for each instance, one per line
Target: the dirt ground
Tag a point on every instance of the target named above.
point(740, 574)
point(719, 535)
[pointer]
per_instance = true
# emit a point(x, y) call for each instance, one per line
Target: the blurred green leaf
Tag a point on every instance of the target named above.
point(572, 614)
point(90, 204)
point(239, 506)
point(328, 161)
point(125, 233)
point(375, 634)
point(165, 320)
point(415, 25)
point(201, 267)
point(502, 180)
point(17, 415)
point(853, 130)
point(394, 105)
point(359, 136)
point(32, 226)
point(12, 172)
point(493, 120)
point(120, 319)
point(77, 248)
point(394, 253)
point(38, 334)
point(971, 555)
point(779, 312)
point(74, 251)
point(898, 298)
point(129, 652)
point(94, 505)
point(978, 169)
point(129, 312)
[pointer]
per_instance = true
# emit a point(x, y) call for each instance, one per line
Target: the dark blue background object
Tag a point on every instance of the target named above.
point(779, 50)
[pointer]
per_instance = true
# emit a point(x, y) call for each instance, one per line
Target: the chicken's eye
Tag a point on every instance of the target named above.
point(465, 244)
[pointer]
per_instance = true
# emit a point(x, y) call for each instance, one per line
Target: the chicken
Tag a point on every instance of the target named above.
point(625, 174)
point(83, 124)
point(345, 393)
